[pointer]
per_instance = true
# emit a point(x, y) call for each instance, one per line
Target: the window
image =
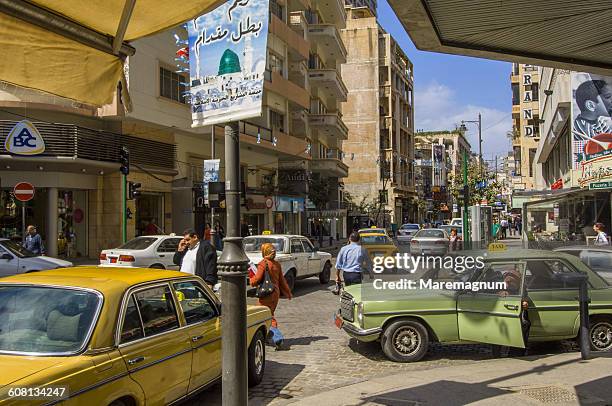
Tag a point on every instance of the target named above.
point(172, 85)
point(517, 161)
point(156, 310)
point(308, 246)
point(275, 63)
point(597, 260)
point(139, 243)
point(132, 326)
point(169, 245)
point(296, 247)
point(277, 120)
point(277, 10)
point(509, 274)
point(548, 275)
point(196, 305)
point(532, 153)
point(535, 91)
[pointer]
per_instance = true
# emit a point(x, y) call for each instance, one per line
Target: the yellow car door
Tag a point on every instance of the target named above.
point(201, 315)
point(156, 351)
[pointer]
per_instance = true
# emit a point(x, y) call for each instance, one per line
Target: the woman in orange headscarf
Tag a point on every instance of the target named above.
point(280, 286)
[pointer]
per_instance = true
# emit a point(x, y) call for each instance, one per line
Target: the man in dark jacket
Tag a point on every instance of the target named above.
point(197, 257)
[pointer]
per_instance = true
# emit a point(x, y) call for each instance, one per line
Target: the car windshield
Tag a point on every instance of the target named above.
point(430, 234)
point(17, 249)
point(139, 243)
point(410, 227)
point(253, 244)
point(373, 239)
point(45, 320)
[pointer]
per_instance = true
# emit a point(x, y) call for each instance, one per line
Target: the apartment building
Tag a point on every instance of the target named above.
point(79, 188)
point(439, 159)
point(380, 116)
point(525, 81)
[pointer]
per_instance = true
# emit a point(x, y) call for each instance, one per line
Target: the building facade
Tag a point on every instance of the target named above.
point(525, 81)
point(379, 113)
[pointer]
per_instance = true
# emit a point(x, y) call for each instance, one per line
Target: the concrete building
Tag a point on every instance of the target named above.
point(439, 162)
point(525, 81)
point(380, 116)
point(78, 201)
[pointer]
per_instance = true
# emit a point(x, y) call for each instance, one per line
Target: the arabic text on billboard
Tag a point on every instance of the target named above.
point(227, 62)
point(591, 125)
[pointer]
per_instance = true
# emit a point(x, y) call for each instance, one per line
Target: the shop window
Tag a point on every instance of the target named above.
point(172, 85)
point(149, 214)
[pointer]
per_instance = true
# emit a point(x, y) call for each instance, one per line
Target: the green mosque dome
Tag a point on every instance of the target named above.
point(229, 63)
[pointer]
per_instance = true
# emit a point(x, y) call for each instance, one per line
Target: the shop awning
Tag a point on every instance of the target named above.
point(76, 50)
point(569, 34)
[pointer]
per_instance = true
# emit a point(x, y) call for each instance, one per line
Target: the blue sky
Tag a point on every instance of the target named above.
point(450, 88)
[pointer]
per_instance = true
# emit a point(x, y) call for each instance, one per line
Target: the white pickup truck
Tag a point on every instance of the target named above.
point(298, 257)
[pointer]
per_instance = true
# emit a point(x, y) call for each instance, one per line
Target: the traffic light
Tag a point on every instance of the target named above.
point(464, 194)
point(133, 191)
point(124, 160)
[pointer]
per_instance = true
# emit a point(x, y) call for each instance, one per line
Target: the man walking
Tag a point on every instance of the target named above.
point(504, 228)
point(353, 260)
point(197, 257)
point(33, 241)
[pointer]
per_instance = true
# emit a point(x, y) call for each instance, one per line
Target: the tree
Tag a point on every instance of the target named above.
point(319, 189)
point(477, 194)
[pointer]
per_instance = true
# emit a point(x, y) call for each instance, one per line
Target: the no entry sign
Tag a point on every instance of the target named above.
point(23, 191)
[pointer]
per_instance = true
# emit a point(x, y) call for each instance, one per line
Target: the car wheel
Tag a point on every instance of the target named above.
point(600, 335)
point(119, 402)
point(290, 278)
point(405, 341)
point(325, 274)
point(157, 266)
point(257, 359)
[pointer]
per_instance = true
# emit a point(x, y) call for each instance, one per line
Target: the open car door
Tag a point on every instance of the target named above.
point(493, 314)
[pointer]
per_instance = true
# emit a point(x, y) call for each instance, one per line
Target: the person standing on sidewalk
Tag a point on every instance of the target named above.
point(197, 257)
point(353, 260)
point(33, 241)
point(602, 237)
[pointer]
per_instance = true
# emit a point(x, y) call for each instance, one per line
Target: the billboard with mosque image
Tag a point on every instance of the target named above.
point(592, 127)
point(227, 62)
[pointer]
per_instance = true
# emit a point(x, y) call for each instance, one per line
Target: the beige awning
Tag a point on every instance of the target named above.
point(37, 54)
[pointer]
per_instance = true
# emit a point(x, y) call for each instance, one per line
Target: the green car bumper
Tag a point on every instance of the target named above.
point(360, 334)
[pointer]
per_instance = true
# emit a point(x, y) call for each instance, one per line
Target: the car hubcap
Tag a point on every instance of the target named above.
point(601, 336)
point(259, 356)
point(407, 340)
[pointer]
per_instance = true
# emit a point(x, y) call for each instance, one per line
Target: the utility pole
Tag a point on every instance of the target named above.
point(212, 209)
point(466, 203)
point(480, 143)
point(233, 266)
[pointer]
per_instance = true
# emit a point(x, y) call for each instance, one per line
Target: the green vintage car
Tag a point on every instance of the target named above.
point(537, 303)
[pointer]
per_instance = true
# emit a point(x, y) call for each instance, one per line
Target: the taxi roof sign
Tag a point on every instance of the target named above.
point(497, 247)
point(266, 232)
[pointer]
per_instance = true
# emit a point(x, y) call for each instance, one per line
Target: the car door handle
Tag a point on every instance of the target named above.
point(135, 360)
point(162, 256)
point(511, 306)
point(196, 338)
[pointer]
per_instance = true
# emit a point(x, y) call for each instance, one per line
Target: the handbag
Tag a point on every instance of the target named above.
point(266, 287)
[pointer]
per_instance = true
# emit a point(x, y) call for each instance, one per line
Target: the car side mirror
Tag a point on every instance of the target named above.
point(6, 256)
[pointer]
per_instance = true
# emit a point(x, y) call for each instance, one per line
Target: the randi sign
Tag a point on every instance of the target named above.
point(24, 139)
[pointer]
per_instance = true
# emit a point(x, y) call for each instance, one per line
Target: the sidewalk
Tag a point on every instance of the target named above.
point(553, 379)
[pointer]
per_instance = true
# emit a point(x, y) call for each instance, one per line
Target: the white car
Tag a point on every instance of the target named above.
point(298, 257)
point(151, 251)
point(406, 232)
point(457, 221)
point(15, 259)
point(429, 241)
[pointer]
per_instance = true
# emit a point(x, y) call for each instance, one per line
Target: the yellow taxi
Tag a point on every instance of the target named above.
point(126, 336)
point(377, 242)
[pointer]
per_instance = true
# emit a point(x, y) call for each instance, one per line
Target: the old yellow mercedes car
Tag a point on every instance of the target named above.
point(119, 337)
point(377, 243)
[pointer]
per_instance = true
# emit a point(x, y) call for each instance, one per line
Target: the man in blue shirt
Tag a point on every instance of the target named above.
point(33, 242)
point(352, 260)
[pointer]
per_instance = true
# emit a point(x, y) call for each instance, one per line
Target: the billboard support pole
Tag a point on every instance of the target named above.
point(212, 209)
point(233, 267)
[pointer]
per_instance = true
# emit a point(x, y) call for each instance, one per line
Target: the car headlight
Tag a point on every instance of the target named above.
point(360, 314)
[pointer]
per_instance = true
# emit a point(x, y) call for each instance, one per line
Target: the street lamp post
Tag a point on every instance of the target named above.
point(479, 123)
point(233, 266)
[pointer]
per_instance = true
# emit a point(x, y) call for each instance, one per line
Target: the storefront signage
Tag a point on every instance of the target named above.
point(251, 204)
point(286, 204)
point(269, 203)
point(227, 62)
point(596, 171)
point(23, 191)
point(600, 185)
point(24, 139)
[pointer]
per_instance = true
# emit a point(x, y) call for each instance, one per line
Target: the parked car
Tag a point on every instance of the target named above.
point(406, 232)
point(117, 336)
point(597, 257)
point(151, 251)
point(406, 323)
point(297, 256)
point(14, 259)
point(429, 241)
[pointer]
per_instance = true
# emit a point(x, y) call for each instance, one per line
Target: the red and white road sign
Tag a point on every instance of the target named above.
point(23, 191)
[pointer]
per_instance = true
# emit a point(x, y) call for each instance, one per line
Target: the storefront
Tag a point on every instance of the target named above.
point(287, 214)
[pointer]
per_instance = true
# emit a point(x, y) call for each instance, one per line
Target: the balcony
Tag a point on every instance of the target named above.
point(299, 23)
point(329, 82)
point(270, 140)
point(298, 73)
point(333, 11)
point(330, 165)
point(331, 124)
point(385, 91)
point(298, 47)
point(300, 123)
point(276, 83)
point(328, 40)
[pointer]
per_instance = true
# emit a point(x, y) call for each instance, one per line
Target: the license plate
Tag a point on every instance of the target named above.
point(338, 321)
point(113, 260)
